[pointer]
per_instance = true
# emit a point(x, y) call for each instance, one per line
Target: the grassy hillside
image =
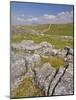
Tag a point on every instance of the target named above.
point(57, 41)
point(55, 29)
point(61, 29)
point(53, 35)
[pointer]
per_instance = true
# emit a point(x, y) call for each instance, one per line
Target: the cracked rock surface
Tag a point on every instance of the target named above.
point(50, 80)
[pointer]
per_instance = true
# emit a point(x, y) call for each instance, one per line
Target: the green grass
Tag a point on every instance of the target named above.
point(61, 29)
point(26, 89)
point(55, 29)
point(55, 61)
point(52, 36)
point(54, 40)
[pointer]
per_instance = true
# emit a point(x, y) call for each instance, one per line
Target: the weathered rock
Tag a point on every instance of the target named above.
point(29, 61)
point(32, 60)
point(48, 78)
point(44, 76)
point(70, 69)
point(70, 58)
point(67, 51)
point(64, 53)
point(46, 45)
point(25, 45)
point(56, 80)
point(29, 73)
point(15, 46)
point(47, 52)
point(15, 57)
point(54, 52)
point(36, 59)
point(38, 51)
point(48, 81)
point(65, 86)
point(18, 70)
point(44, 48)
point(71, 51)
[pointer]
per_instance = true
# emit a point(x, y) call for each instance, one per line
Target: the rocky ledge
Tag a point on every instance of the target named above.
point(26, 62)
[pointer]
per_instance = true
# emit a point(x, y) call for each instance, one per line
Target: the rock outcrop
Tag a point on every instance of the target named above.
point(52, 81)
point(56, 81)
point(21, 65)
point(44, 48)
point(47, 78)
point(66, 85)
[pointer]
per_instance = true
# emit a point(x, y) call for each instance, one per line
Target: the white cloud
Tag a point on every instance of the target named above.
point(20, 19)
point(32, 19)
point(62, 17)
point(65, 17)
point(49, 16)
point(61, 13)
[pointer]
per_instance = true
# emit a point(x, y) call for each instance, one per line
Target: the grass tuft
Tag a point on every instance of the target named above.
point(26, 89)
point(54, 61)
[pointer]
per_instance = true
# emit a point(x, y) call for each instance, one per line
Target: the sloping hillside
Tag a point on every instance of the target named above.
point(54, 29)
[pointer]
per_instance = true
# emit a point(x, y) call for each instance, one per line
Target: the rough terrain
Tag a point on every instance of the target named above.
point(34, 60)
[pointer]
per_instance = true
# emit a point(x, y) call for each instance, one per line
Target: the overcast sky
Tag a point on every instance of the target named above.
point(33, 13)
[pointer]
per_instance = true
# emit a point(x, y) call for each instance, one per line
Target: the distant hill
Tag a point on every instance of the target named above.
point(61, 29)
point(54, 29)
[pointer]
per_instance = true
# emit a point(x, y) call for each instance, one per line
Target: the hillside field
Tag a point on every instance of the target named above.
point(54, 35)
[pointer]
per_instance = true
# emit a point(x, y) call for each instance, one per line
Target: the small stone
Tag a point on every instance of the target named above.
point(46, 44)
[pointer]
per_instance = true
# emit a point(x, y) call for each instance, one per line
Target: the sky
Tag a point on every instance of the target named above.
point(23, 13)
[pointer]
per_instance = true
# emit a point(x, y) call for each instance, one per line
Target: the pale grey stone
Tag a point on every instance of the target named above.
point(70, 68)
point(65, 86)
point(46, 44)
point(44, 76)
point(36, 59)
point(70, 58)
point(29, 61)
point(71, 51)
point(48, 81)
point(64, 53)
point(18, 70)
point(56, 80)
